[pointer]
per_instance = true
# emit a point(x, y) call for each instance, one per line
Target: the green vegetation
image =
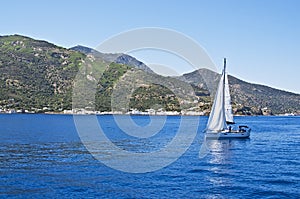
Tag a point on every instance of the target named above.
point(39, 76)
point(106, 84)
point(154, 97)
point(36, 74)
point(143, 98)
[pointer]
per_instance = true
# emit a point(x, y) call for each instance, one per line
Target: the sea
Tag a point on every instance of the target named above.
point(45, 156)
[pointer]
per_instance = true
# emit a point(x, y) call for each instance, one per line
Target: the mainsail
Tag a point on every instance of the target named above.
point(217, 119)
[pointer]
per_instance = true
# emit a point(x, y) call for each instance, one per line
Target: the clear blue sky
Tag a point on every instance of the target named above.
point(260, 38)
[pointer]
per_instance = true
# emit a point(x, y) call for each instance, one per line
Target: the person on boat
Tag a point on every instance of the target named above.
point(241, 129)
point(229, 128)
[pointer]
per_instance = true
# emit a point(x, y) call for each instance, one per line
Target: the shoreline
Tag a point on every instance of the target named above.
point(136, 114)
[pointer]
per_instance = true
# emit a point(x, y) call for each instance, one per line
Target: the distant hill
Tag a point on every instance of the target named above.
point(247, 98)
point(39, 76)
point(119, 58)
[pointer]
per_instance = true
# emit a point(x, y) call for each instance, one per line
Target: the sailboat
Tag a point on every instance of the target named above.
point(221, 119)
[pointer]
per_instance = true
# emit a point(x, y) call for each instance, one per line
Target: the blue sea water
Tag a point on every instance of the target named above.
point(41, 156)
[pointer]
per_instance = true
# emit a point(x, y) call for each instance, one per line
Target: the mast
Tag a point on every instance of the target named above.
point(224, 64)
point(224, 82)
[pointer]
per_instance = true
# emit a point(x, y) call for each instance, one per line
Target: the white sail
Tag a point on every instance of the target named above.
point(217, 119)
point(228, 107)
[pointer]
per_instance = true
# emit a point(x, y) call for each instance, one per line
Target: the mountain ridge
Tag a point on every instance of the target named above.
point(119, 58)
point(39, 76)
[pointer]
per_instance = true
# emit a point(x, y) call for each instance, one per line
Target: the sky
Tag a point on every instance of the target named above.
point(259, 38)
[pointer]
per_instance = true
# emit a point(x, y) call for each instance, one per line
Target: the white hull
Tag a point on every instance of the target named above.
point(228, 134)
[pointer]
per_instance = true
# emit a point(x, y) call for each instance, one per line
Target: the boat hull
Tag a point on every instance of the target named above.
point(228, 134)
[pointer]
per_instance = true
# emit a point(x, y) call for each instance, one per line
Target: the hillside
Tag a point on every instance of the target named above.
point(247, 98)
point(38, 76)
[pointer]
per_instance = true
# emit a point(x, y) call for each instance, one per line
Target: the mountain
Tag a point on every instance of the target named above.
point(119, 58)
point(247, 98)
point(202, 78)
point(39, 76)
point(36, 74)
